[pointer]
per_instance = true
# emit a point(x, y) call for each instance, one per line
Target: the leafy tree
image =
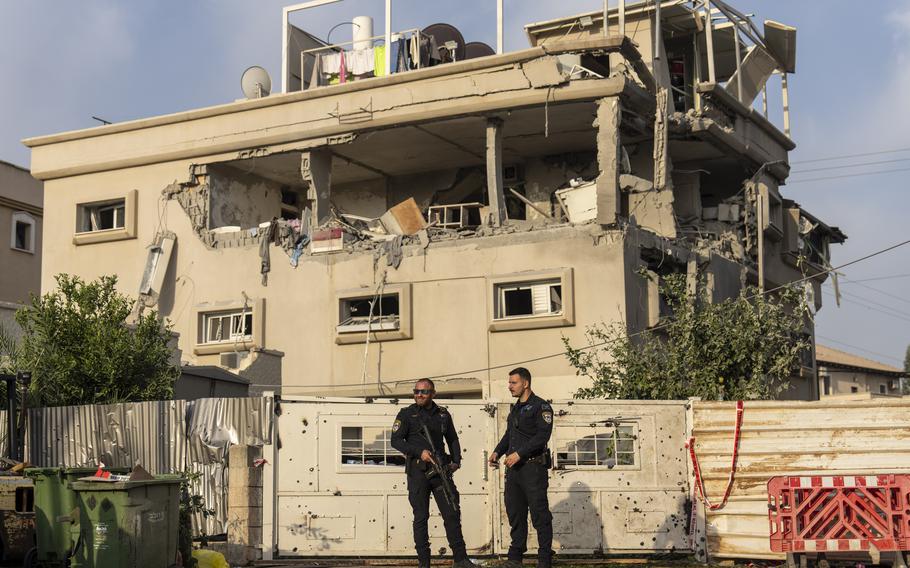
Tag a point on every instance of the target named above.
point(742, 348)
point(80, 349)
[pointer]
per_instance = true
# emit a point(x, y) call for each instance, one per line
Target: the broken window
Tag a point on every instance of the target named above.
point(23, 233)
point(369, 313)
point(826, 382)
point(290, 203)
point(102, 216)
point(370, 446)
point(881, 389)
point(595, 446)
point(529, 299)
point(227, 326)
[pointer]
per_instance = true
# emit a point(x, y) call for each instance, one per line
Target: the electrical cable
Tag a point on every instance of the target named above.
point(791, 182)
point(467, 374)
point(879, 278)
point(868, 307)
point(847, 156)
point(882, 292)
point(860, 165)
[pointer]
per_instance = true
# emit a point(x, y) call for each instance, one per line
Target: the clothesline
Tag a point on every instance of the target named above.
point(342, 65)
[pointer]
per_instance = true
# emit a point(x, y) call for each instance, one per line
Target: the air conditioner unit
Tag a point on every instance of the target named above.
point(230, 360)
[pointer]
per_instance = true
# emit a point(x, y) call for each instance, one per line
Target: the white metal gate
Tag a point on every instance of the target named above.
point(335, 486)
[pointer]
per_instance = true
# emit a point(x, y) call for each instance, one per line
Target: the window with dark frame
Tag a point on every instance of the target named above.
point(23, 236)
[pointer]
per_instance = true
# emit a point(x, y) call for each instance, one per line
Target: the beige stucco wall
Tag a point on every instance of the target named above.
point(448, 286)
point(20, 272)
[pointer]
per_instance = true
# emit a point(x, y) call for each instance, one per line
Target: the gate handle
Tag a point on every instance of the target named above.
point(486, 466)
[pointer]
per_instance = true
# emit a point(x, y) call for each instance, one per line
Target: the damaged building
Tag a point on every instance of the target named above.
point(416, 205)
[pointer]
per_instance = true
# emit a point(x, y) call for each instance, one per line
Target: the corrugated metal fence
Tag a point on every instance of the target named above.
point(163, 436)
point(790, 438)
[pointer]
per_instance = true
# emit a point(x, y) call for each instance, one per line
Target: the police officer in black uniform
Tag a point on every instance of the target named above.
point(408, 438)
point(524, 446)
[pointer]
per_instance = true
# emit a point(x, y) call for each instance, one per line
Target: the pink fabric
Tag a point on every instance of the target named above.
point(342, 71)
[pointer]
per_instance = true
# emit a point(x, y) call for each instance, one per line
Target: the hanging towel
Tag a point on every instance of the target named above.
point(414, 46)
point(342, 69)
point(316, 77)
point(379, 61)
point(401, 62)
point(361, 61)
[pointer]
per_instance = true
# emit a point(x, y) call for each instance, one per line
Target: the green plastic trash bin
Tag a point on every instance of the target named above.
point(128, 524)
point(55, 502)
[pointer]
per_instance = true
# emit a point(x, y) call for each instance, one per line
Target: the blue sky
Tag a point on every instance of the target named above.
point(65, 61)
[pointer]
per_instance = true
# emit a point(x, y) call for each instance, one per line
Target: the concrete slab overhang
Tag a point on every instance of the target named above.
point(313, 118)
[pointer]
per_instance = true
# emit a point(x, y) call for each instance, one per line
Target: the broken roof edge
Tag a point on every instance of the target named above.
point(605, 43)
point(837, 235)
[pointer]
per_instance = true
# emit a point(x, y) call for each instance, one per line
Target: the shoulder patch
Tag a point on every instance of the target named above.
point(547, 416)
point(396, 425)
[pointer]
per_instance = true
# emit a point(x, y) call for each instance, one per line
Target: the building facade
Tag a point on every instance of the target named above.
point(844, 374)
point(451, 220)
point(21, 213)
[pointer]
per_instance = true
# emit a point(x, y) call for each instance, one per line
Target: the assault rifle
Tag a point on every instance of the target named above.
point(443, 471)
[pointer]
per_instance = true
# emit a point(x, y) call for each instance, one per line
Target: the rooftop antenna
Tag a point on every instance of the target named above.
point(256, 83)
point(102, 121)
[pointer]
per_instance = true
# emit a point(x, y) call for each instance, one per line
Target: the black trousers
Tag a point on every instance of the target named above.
point(526, 490)
point(419, 489)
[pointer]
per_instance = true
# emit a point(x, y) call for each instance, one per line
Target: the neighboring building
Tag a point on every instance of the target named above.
point(286, 236)
point(841, 373)
point(209, 381)
point(21, 212)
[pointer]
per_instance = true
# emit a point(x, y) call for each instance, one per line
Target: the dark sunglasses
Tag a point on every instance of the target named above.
point(423, 391)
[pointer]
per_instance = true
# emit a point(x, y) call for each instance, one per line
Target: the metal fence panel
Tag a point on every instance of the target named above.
point(163, 436)
point(790, 438)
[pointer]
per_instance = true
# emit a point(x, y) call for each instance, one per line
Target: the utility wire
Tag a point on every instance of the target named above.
point(847, 156)
point(878, 278)
point(872, 308)
point(860, 165)
point(463, 374)
point(790, 182)
point(877, 354)
point(882, 292)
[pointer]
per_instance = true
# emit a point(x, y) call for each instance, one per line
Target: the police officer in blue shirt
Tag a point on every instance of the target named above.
point(527, 458)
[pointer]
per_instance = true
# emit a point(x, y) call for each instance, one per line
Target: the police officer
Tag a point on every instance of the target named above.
point(408, 438)
point(524, 446)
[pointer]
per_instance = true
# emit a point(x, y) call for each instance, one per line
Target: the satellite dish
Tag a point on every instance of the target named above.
point(449, 41)
point(475, 49)
point(256, 82)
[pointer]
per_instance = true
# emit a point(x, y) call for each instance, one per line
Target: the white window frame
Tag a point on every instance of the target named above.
point(237, 321)
point(124, 220)
point(545, 279)
point(541, 293)
point(26, 219)
point(388, 450)
point(387, 328)
point(237, 315)
point(615, 439)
